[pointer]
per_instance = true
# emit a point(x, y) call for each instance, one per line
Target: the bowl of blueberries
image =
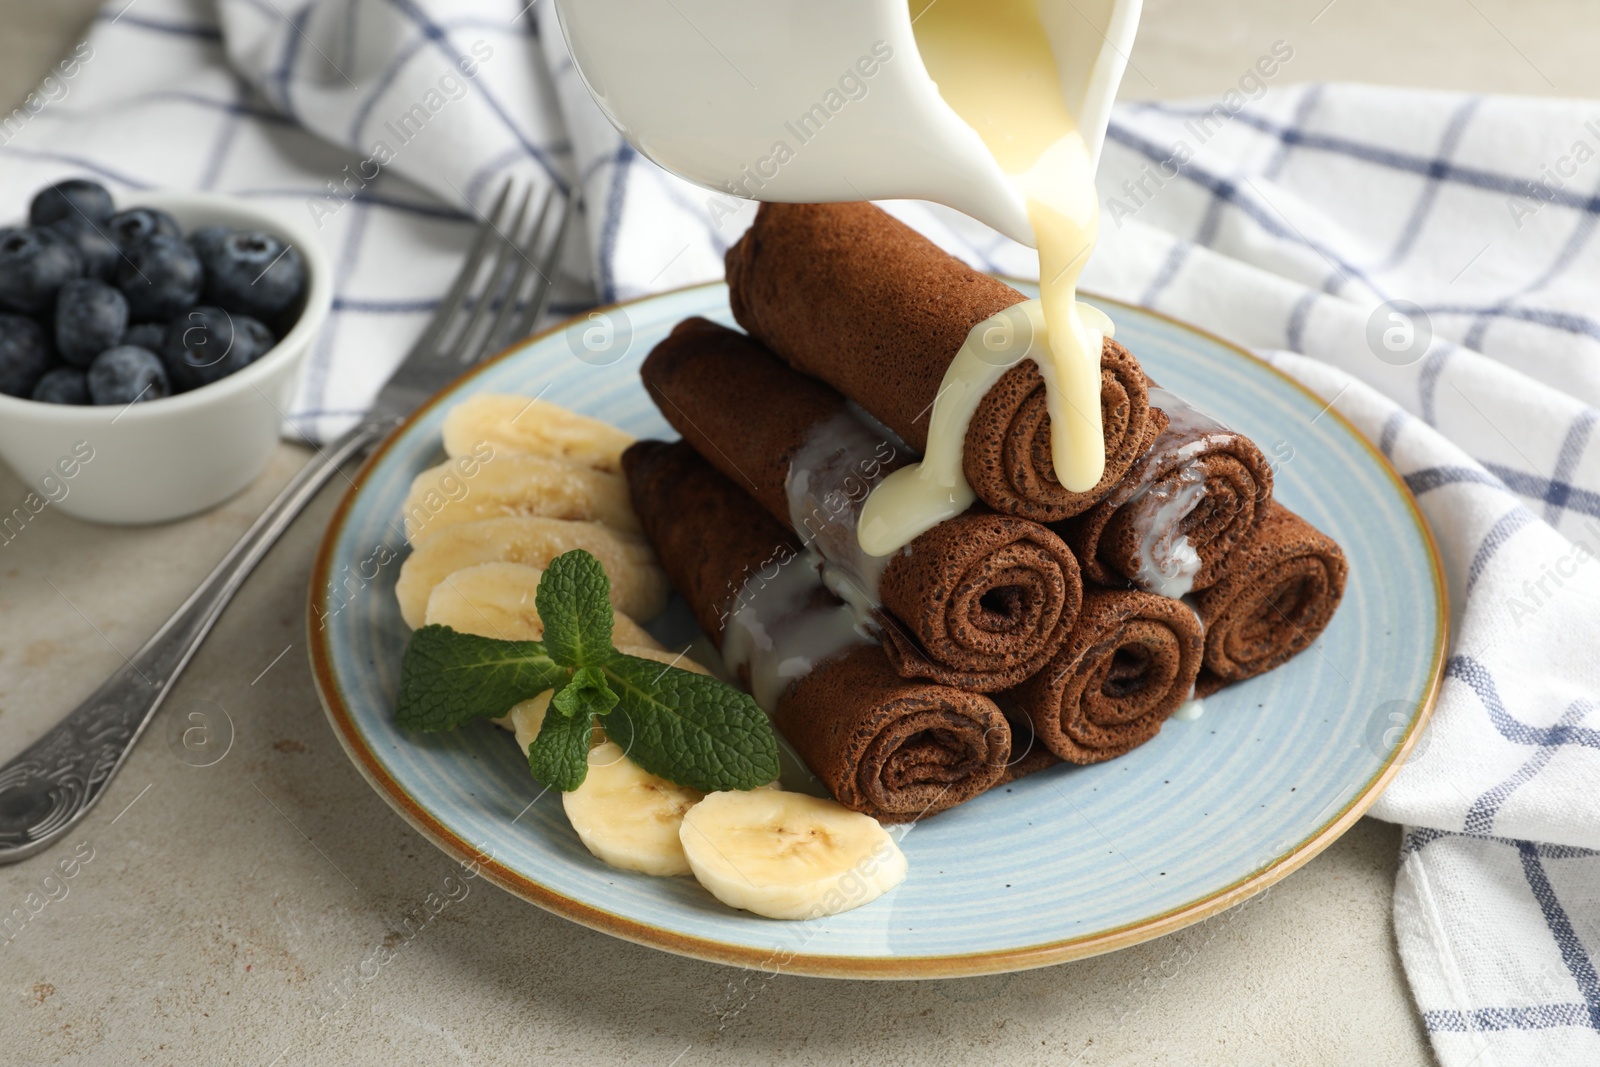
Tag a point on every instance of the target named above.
point(150, 348)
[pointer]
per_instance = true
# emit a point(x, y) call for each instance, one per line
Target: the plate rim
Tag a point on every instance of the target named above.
point(954, 965)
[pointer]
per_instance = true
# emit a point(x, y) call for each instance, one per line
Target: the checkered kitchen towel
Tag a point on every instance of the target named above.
point(1427, 262)
point(1301, 227)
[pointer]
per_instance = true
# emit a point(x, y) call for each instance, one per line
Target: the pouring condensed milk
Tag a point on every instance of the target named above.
point(994, 107)
point(993, 64)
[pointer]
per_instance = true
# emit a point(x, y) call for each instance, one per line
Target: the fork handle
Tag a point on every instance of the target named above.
point(53, 783)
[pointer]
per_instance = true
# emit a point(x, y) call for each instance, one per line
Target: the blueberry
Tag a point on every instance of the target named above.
point(90, 318)
point(252, 273)
point(62, 385)
point(126, 374)
point(160, 276)
point(73, 198)
point(130, 227)
point(151, 335)
point(210, 343)
point(34, 263)
point(207, 238)
point(24, 355)
point(98, 251)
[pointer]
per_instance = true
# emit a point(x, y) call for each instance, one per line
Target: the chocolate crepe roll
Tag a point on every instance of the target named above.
point(996, 597)
point(980, 601)
point(1280, 591)
point(1007, 459)
point(1131, 661)
point(902, 749)
point(895, 749)
point(1028, 754)
point(849, 294)
point(1171, 524)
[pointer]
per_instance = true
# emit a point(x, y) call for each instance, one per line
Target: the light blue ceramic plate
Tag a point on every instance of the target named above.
point(1066, 863)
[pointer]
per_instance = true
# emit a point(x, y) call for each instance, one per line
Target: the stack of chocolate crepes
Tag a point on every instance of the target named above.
point(1041, 625)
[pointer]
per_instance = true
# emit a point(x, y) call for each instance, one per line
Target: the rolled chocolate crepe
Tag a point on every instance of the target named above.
point(1171, 524)
point(981, 601)
point(1028, 755)
point(1280, 591)
point(848, 294)
point(1131, 661)
point(895, 749)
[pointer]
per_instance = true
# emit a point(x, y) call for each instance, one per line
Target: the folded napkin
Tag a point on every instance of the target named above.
point(1291, 219)
point(1295, 229)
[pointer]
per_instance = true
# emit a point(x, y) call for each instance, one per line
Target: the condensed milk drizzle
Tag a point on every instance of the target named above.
point(1167, 562)
point(778, 631)
point(993, 65)
point(916, 498)
point(831, 476)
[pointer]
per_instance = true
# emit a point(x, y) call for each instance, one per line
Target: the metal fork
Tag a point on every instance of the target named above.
point(52, 784)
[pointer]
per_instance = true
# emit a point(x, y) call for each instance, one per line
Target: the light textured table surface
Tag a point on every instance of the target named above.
point(223, 906)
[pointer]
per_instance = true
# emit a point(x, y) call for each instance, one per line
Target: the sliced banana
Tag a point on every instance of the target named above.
point(627, 816)
point(526, 718)
point(520, 424)
point(789, 855)
point(638, 586)
point(465, 490)
point(498, 600)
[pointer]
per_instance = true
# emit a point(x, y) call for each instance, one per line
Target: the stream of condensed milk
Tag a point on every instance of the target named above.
point(993, 65)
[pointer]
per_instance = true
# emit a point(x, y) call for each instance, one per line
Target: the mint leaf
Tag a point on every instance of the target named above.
point(574, 602)
point(559, 756)
point(447, 678)
point(689, 728)
point(586, 694)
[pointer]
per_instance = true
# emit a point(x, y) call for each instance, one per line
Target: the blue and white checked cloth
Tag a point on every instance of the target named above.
point(1286, 218)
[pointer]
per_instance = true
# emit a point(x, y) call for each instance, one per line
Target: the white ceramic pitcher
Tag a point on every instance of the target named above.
point(814, 101)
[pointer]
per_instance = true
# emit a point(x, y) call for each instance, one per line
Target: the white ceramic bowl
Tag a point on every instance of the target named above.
point(164, 459)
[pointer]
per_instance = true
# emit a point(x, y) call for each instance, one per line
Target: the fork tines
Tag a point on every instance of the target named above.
point(504, 283)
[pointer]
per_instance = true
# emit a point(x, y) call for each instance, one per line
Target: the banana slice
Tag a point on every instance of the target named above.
point(526, 718)
point(638, 586)
point(519, 424)
point(497, 600)
point(628, 817)
point(465, 490)
point(789, 855)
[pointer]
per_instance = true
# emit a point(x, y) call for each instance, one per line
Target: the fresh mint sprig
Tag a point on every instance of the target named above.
point(687, 728)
